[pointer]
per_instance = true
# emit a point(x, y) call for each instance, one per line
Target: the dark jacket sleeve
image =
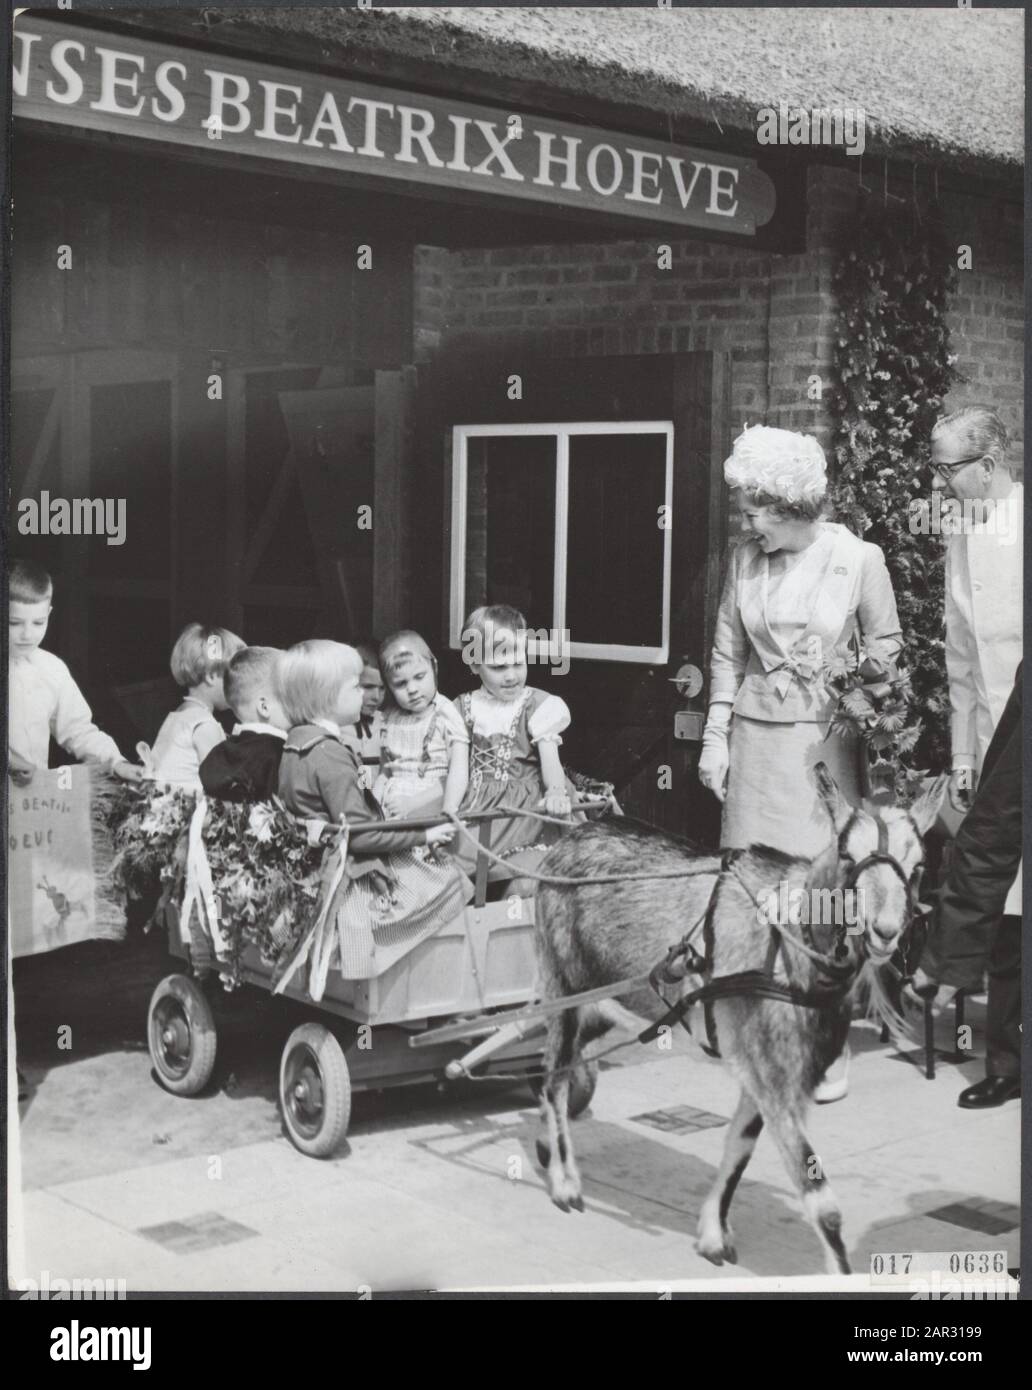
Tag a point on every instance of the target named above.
point(219, 777)
point(987, 850)
point(337, 779)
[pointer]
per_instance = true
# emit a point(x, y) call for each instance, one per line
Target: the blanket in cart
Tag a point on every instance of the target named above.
point(59, 856)
point(366, 925)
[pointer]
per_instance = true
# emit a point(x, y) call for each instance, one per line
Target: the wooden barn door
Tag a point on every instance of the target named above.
point(350, 447)
point(272, 578)
point(103, 425)
point(41, 427)
point(318, 503)
point(125, 447)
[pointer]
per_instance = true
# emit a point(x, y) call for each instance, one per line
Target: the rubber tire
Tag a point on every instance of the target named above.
point(582, 1087)
point(320, 1138)
point(189, 1001)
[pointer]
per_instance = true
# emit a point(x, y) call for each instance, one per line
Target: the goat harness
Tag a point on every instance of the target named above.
point(835, 971)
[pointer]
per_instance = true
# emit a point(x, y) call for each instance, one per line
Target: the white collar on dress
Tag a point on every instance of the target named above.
point(484, 696)
point(259, 728)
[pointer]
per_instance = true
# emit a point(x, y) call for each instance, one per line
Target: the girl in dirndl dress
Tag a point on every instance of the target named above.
point(394, 892)
point(515, 734)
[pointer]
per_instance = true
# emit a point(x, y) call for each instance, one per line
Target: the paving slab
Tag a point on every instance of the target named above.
point(441, 1188)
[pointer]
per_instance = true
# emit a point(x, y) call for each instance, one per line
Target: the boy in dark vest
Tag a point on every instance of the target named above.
point(245, 767)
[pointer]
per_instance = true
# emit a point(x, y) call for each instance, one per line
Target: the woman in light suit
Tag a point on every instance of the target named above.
point(798, 589)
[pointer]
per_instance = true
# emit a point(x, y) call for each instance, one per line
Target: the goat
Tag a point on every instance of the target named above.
point(598, 934)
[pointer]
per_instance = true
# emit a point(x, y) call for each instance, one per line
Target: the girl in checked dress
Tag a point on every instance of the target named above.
point(424, 745)
point(515, 734)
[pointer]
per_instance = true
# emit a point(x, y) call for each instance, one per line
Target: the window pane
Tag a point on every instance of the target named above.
point(614, 584)
point(510, 524)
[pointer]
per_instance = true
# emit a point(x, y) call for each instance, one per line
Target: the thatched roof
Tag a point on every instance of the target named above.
point(945, 85)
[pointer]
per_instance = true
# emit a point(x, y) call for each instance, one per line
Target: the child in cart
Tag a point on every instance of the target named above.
point(515, 733)
point(245, 766)
point(199, 660)
point(318, 683)
point(424, 760)
point(368, 727)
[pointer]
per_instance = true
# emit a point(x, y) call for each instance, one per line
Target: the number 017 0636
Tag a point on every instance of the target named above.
point(902, 1265)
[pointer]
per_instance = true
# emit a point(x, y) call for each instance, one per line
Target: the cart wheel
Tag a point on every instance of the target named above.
point(582, 1087)
point(181, 1035)
point(315, 1090)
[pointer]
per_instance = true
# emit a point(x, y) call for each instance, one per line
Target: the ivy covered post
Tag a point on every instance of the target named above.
point(894, 367)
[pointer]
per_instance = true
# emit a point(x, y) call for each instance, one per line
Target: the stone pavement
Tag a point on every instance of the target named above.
point(441, 1190)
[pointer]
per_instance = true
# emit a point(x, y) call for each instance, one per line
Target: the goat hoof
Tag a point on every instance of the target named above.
point(561, 1203)
point(577, 1203)
point(730, 1252)
point(712, 1250)
point(544, 1153)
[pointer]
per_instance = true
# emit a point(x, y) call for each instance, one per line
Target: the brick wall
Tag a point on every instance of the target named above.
point(987, 318)
point(433, 269)
point(774, 313)
point(588, 299)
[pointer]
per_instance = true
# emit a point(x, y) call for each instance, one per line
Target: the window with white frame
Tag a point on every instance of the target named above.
point(571, 524)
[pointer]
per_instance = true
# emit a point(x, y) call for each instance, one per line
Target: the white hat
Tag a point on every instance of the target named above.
point(780, 464)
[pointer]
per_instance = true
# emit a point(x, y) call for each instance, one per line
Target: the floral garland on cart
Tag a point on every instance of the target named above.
point(266, 874)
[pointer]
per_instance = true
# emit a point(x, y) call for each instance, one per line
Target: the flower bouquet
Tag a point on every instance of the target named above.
point(873, 701)
point(265, 872)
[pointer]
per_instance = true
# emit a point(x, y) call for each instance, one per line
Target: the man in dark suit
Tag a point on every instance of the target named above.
point(986, 856)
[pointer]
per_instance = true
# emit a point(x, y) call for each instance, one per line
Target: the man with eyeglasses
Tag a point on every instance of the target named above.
point(983, 652)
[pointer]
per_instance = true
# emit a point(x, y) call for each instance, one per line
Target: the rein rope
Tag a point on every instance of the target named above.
point(839, 970)
point(564, 880)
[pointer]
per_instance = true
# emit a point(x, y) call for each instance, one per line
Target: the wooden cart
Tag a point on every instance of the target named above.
point(367, 1034)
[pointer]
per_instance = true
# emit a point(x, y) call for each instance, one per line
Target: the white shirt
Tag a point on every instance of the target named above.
point(983, 628)
point(175, 757)
point(46, 703)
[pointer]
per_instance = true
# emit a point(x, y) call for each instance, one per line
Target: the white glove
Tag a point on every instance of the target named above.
point(714, 759)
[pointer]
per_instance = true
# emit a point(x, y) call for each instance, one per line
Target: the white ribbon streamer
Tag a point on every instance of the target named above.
point(200, 891)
